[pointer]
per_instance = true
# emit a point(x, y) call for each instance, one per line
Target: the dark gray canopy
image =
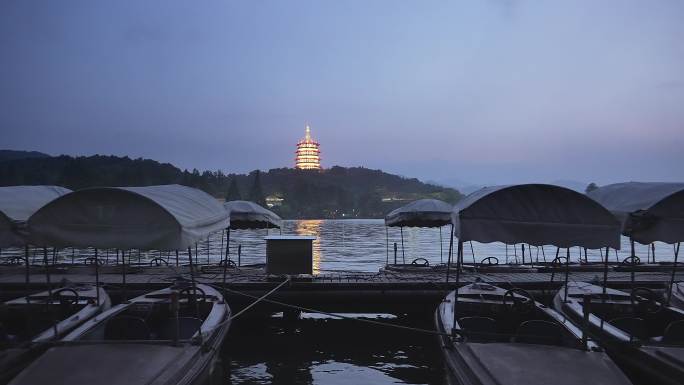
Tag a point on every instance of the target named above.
point(17, 204)
point(648, 212)
point(249, 215)
point(168, 217)
point(421, 213)
point(536, 214)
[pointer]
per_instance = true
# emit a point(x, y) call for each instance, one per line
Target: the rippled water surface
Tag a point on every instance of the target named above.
point(326, 351)
point(366, 245)
point(348, 245)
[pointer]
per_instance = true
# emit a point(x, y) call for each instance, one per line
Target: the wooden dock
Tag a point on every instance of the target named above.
point(383, 292)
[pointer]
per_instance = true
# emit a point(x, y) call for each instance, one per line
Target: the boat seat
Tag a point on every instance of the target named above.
point(674, 333)
point(631, 325)
point(125, 327)
point(187, 327)
point(478, 328)
point(539, 332)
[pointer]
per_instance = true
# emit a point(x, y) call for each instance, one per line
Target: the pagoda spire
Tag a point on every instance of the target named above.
point(307, 137)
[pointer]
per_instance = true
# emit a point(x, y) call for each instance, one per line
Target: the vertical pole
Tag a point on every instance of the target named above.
point(674, 270)
point(49, 285)
point(567, 273)
point(54, 255)
point(472, 251)
point(176, 258)
point(451, 247)
point(123, 275)
point(73, 255)
point(192, 279)
point(403, 257)
point(605, 272)
point(522, 247)
point(208, 247)
point(459, 260)
point(441, 259)
point(631, 245)
point(387, 245)
point(97, 278)
point(223, 233)
point(653, 252)
point(585, 325)
point(26, 257)
point(239, 255)
point(506, 253)
point(395, 253)
point(543, 255)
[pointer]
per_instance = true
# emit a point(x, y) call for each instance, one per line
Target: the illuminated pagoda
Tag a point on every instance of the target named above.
point(308, 154)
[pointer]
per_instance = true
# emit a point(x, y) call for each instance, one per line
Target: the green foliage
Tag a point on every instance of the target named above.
point(591, 187)
point(233, 191)
point(337, 192)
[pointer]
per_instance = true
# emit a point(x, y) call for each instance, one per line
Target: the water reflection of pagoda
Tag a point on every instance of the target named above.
point(308, 153)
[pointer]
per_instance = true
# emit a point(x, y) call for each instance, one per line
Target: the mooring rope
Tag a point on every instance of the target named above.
point(309, 310)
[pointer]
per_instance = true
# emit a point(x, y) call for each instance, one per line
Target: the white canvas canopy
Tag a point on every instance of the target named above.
point(249, 215)
point(648, 212)
point(17, 204)
point(168, 217)
point(536, 214)
point(421, 213)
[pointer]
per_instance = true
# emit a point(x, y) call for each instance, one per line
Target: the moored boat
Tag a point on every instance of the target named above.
point(170, 336)
point(28, 322)
point(637, 330)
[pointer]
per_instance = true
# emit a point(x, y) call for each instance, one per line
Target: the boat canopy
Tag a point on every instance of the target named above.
point(167, 217)
point(249, 215)
point(17, 204)
point(648, 212)
point(537, 214)
point(421, 213)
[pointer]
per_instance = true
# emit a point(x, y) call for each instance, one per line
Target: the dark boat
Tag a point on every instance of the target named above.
point(636, 329)
point(677, 295)
point(27, 322)
point(170, 336)
point(506, 337)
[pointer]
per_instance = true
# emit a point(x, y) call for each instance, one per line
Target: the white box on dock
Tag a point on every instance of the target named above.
point(289, 254)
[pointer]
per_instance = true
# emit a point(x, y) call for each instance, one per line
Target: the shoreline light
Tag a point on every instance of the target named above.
point(308, 154)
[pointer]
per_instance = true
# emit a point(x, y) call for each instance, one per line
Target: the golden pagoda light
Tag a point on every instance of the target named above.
point(308, 154)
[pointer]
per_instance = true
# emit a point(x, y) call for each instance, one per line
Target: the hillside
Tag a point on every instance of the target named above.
point(13, 154)
point(337, 192)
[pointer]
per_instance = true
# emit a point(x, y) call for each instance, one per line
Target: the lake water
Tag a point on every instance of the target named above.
point(366, 245)
point(363, 245)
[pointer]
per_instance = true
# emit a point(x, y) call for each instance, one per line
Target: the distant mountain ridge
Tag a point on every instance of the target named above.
point(14, 154)
point(337, 192)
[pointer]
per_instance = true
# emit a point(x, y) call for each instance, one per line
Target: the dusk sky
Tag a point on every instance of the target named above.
point(491, 91)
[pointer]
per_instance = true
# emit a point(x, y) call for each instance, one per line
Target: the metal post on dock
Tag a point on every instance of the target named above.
point(49, 286)
point(441, 259)
point(97, 278)
point(395, 253)
point(451, 247)
point(674, 270)
point(387, 245)
point(403, 256)
point(459, 260)
point(567, 274)
point(123, 274)
point(522, 247)
point(585, 324)
point(605, 273)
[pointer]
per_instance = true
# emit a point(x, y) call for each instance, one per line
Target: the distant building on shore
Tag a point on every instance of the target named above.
point(308, 154)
